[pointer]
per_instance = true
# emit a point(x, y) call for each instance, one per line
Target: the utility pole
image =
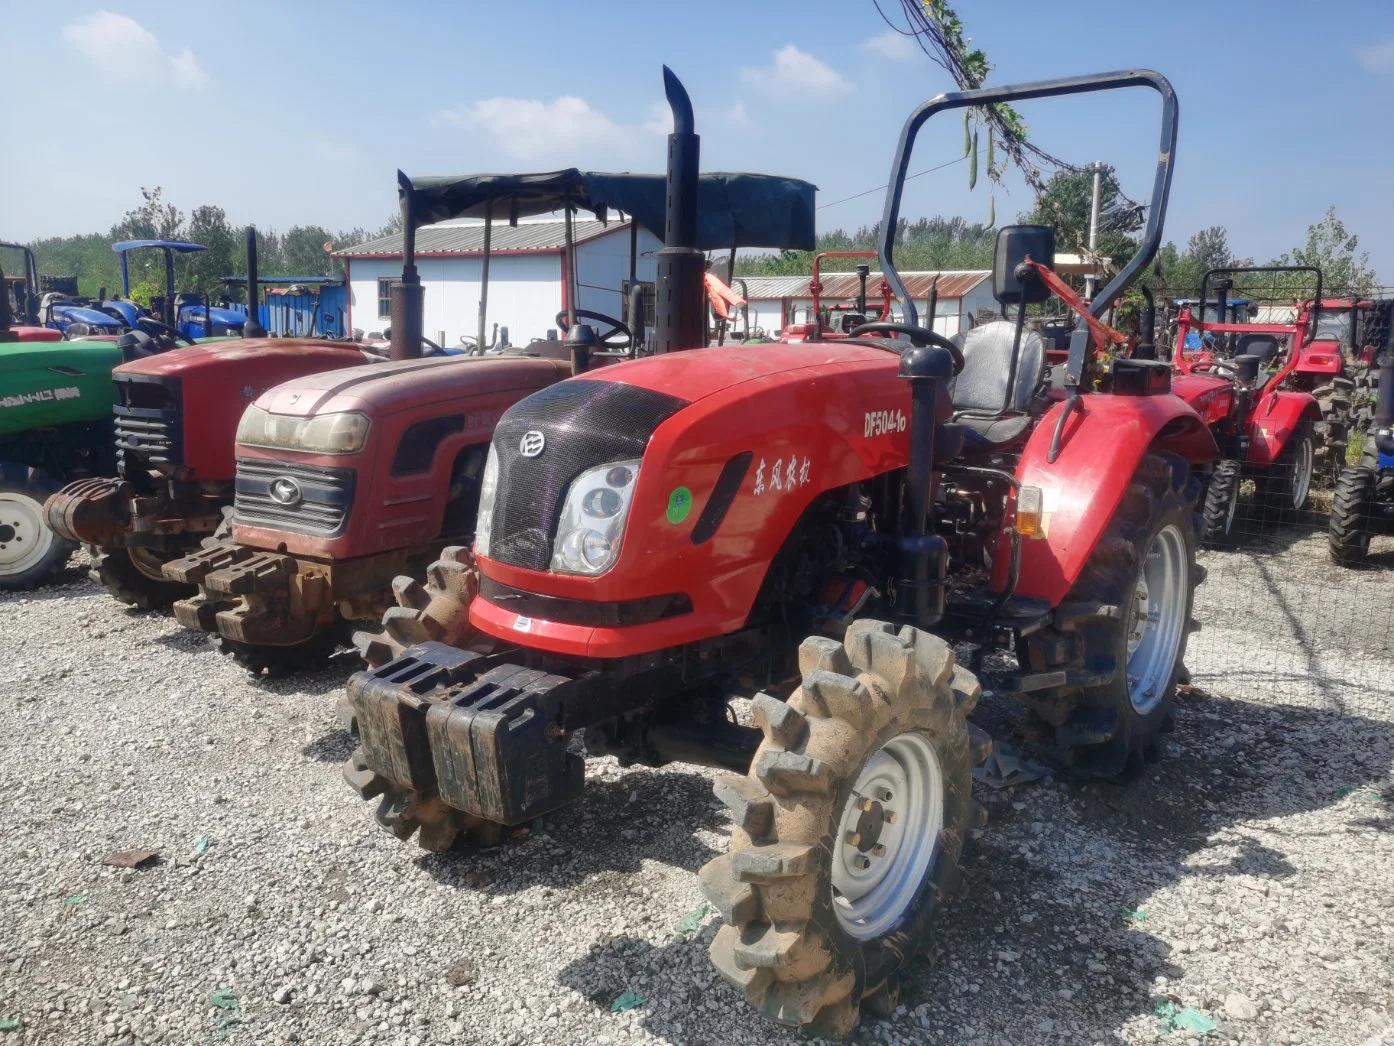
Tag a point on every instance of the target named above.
point(1090, 282)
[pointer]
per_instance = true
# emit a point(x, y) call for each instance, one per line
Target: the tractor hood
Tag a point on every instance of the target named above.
point(221, 317)
point(82, 314)
point(695, 375)
point(43, 384)
point(242, 360)
point(384, 388)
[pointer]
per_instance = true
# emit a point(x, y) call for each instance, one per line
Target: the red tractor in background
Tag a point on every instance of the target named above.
point(849, 314)
point(175, 413)
point(1335, 365)
point(349, 479)
point(1266, 429)
point(811, 526)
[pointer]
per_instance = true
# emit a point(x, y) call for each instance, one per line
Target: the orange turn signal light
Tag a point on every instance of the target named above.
point(1029, 507)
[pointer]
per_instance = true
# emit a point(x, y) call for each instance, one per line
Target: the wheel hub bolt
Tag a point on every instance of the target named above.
point(890, 816)
point(861, 862)
point(884, 794)
point(854, 839)
point(878, 851)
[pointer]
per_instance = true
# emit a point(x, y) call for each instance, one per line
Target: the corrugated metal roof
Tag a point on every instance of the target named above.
point(840, 285)
point(454, 238)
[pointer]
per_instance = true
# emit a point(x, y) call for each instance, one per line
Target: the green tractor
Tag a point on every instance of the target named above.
point(56, 398)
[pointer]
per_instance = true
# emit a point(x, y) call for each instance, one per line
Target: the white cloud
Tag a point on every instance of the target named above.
point(795, 73)
point(530, 129)
point(1378, 58)
point(735, 114)
point(893, 45)
point(127, 50)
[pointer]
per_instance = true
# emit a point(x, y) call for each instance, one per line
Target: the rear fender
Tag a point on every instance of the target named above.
point(1320, 358)
point(1102, 444)
point(1278, 416)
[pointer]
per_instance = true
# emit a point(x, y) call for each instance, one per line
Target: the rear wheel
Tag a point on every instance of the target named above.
point(132, 576)
point(848, 827)
point(1352, 516)
point(1221, 503)
point(30, 553)
point(1121, 633)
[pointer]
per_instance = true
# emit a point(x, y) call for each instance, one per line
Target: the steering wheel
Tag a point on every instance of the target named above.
point(163, 333)
point(617, 329)
point(919, 337)
point(1220, 367)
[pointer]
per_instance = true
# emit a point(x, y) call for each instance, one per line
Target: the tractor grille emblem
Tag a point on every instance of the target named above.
point(532, 444)
point(285, 491)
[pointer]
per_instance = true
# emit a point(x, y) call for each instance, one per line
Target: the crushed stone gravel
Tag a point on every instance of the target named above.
point(1247, 876)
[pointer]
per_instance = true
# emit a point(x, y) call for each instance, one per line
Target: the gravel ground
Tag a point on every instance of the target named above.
point(1247, 877)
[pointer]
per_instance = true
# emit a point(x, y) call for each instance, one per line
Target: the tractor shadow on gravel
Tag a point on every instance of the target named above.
point(602, 840)
point(1051, 926)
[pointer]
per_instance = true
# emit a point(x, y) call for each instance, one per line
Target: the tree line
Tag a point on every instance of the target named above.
point(299, 251)
point(939, 243)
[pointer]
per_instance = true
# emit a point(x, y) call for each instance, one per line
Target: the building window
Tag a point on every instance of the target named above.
point(646, 297)
point(385, 297)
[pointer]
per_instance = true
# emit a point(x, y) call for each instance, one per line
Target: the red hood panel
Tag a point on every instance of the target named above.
point(246, 357)
point(386, 387)
point(692, 375)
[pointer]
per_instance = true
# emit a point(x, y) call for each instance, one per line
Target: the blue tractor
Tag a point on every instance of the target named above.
point(188, 313)
point(1363, 504)
point(1236, 310)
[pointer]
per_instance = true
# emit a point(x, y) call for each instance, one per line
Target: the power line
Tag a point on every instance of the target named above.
point(909, 178)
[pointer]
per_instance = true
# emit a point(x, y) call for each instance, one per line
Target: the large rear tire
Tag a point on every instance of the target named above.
point(132, 576)
point(30, 553)
point(1352, 515)
point(848, 827)
point(1122, 632)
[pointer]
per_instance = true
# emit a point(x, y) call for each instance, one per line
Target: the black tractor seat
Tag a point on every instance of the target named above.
point(980, 393)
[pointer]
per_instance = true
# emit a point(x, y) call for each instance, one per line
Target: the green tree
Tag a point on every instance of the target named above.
point(1065, 204)
point(303, 253)
point(1335, 251)
point(203, 271)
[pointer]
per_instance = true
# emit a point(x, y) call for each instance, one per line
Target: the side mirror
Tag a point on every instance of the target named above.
point(1011, 282)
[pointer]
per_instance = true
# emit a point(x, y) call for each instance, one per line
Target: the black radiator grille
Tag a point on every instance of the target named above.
point(324, 496)
point(147, 421)
point(585, 424)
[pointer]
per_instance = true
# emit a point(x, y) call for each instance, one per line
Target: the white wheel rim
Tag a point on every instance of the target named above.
point(887, 836)
point(1156, 619)
point(1301, 481)
point(24, 540)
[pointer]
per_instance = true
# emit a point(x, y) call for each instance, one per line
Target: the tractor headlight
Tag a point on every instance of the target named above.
point(323, 434)
point(484, 518)
point(593, 518)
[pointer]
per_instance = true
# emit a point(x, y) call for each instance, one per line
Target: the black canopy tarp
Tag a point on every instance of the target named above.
point(734, 209)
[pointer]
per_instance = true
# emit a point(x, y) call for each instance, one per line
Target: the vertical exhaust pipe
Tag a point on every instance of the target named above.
point(252, 328)
point(408, 297)
point(680, 315)
point(6, 318)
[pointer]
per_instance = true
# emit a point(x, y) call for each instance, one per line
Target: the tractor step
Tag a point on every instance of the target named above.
point(488, 743)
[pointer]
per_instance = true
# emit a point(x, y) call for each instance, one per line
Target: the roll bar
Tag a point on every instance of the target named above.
point(1161, 183)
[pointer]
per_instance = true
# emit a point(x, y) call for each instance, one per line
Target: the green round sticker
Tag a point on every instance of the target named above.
point(679, 504)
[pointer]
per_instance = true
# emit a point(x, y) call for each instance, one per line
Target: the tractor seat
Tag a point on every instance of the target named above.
point(1264, 346)
point(980, 390)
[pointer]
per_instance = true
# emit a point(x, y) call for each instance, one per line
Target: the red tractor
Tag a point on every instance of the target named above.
point(834, 321)
point(346, 480)
point(175, 412)
point(812, 526)
point(1265, 428)
point(1336, 366)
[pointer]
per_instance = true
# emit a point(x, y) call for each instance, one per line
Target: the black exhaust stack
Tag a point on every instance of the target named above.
point(680, 313)
point(252, 328)
point(923, 559)
point(408, 297)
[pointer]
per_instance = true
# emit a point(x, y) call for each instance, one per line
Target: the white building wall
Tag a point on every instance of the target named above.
point(525, 292)
point(948, 321)
point(980, 297)
point(602, 266)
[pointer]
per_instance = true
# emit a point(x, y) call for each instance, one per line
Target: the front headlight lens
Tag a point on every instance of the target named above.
point(484, 518)
point(593, 519)
point(343, 433)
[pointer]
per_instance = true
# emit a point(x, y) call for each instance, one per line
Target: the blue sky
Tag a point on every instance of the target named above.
point(287, 114)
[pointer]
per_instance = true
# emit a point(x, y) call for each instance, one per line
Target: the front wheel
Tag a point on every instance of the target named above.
point(848, 827)
point(133, 577)
point(1289, 480)
point(30, 553)
point(1352, 515)
point(1221, 503)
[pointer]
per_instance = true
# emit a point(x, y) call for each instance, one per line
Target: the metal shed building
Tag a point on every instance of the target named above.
point(527, 278)
point(779, 300)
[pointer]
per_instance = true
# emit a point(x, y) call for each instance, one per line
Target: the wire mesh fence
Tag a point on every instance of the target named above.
point(1296, 539)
